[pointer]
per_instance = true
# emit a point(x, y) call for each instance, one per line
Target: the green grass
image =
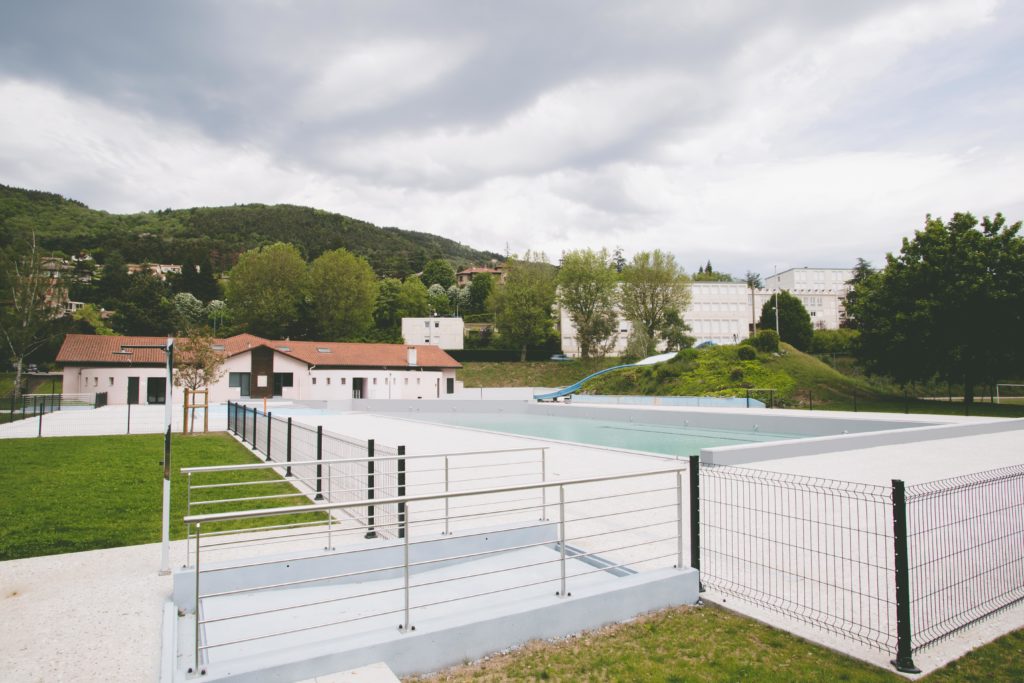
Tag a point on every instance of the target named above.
point(531, 373)
point(712, 644)
point(69, 494)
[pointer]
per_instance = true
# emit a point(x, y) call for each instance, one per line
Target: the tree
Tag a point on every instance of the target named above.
point(753, 282)
point(438, 272)
point(30, 303)
point(676, 332)
point(950, 304)
point(522, 306)
point(385, 310)
point(861, 272)
point(587, 289)
point(146, 309)
point(652, 285)
point(707, 274)
point(413, 299)
point(480, 289)
point(266, 288)
point(618, 260)
point(216, 311)
point(113, 283)
point(196, 363)
point(89, 319)
point(190, 309)
point(438, 300)
point(342, 293)
point(794, 321)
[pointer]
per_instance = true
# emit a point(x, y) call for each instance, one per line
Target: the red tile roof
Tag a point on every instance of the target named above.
point(84, 349)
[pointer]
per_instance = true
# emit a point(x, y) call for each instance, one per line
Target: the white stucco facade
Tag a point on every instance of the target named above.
point(446, 333)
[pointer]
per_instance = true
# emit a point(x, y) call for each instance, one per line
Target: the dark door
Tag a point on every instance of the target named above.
point(450, 385)
point(357, 387)
point(156, 390)
point(243, 383)
point(262, 372)
point(133, 391)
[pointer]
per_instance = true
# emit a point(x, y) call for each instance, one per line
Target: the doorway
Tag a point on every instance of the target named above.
point(357, 387)
point(133, 391)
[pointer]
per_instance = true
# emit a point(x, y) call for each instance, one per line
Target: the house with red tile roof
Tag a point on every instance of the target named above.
point(255, 367)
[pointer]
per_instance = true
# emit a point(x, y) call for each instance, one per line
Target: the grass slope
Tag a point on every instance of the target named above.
point(68, 494)
point(712, 644)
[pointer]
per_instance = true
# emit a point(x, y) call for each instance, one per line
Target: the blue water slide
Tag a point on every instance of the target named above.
point(573, 388)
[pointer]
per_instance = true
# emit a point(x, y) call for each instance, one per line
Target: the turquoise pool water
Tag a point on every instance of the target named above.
point(677, 440)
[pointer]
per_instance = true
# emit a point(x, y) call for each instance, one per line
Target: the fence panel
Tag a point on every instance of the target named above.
point(966, 550)
point(816, 550)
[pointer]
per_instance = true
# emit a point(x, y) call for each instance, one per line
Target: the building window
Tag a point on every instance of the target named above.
point(328, 381)
point(314, 381)
point(343, 381)
point(374, 381)
point(323, 349)
point(283, 379)
point(111, 381)
point(436, 325)
point(406, 381)
point(95, 381)
point(426, 323)
point(417, 380)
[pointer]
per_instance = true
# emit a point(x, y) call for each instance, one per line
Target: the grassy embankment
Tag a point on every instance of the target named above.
point(68, 494)
point(712, 644)
point(798, 380)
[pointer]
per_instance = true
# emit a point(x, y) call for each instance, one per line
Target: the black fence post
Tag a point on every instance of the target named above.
point(319, 467)
point(128, 426)
point(370, 533)
point(269, 423)
point(288, 450)
point(903, 662)
point(695, 518)
point(255, 425)
point(245, 416)
point(771, 398)
point(401, 492)
point(810, 400)
point(40, 417)
point(748, 398)
point(231, 425)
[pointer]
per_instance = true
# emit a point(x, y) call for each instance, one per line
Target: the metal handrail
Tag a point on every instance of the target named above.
point(324, 507)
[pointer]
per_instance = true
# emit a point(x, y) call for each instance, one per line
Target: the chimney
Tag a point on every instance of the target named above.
point(412, 355)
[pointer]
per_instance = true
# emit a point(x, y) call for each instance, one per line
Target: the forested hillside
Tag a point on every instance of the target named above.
point(173, 235)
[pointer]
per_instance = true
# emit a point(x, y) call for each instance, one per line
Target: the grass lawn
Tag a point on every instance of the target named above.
point(68, 494)
point(712, 644)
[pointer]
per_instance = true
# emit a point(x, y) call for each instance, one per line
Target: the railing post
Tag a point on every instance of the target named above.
point(543, 489)
point(810, 400)
point(561, 540)
point(195, 665)
point(288, 450)
point(188, 511)
point(255, 425)
point(128, 426)
point(695, 517)
point(679, 519)
point(268, 436)
point(904, 661)
point(245, 416)
point(40, 419)
point(330, 516)
point(405, 627)
point(402, 525)
point(447, 532)
point(319, 466)
point(370, 486)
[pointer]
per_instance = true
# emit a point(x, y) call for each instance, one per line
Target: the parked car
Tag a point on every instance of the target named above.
point(560, 357)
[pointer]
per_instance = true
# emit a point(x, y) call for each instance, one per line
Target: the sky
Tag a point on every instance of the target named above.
point(756, 135)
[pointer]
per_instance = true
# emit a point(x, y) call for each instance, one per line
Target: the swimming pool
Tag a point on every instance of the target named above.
point(675, 440)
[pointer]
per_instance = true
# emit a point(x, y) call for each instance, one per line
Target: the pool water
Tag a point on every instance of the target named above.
point(676, 440)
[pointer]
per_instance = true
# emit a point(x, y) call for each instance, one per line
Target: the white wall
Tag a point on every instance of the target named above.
point(448, 333)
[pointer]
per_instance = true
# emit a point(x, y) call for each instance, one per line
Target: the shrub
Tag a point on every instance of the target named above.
point(833, 341)
point(766, 341)
point(736, 375)
point(746, 352)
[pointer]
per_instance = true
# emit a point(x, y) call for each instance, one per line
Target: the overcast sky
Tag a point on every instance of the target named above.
point(753, 134)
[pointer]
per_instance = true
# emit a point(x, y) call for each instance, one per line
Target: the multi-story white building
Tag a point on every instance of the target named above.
point(832, 280)
point(725, 312)
point(447, 333)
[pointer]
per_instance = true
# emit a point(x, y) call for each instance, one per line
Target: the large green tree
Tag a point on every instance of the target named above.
point(950, 304)
point(147, 308)
point(413, 299)
point(438, 272)
point(480, 289)
point(522, 306)
point(266, 288)
point(342, 294)
point(587, 289)
point(385, 311)
point(794, 321)
point(652, 285)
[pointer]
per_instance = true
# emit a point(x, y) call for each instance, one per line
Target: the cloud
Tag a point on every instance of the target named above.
point(793, 133)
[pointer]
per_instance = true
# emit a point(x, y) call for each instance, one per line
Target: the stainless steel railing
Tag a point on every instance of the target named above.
point(613, 524)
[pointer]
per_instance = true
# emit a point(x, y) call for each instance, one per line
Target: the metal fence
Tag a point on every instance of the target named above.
point(966, 550)
point(893, 567)
point(589, 535)
point(35, 406)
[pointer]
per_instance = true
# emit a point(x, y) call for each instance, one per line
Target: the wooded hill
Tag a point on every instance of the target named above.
point(172, 235)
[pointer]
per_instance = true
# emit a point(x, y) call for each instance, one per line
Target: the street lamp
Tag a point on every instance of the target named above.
point(168, 349)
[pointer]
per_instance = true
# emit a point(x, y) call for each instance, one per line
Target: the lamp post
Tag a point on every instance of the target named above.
point(777, 302)
point(165, 532)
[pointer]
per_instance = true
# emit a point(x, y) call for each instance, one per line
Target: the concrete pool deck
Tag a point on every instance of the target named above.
point(97, 615)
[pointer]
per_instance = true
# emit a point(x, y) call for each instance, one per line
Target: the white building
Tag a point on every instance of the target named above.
point(447, 333)
point(723, 313)
point(260, 368)
point(832, 280)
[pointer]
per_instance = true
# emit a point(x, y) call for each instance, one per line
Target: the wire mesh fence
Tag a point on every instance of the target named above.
point(817, 550)
point(966, 550)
